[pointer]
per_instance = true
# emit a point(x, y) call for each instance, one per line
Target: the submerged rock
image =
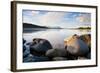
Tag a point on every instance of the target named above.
point(39, 46)
point(56, 53)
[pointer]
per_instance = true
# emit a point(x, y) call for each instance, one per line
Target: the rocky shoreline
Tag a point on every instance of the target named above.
point(40, 50)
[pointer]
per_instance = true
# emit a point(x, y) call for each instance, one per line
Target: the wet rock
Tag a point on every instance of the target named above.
point(76, 46)
point(56, 53)
point(27, 58)
point(24, 47)
point(59, 58)
point(24, 41)
point(40, 58)
point(26, 51)
point(32, 58)
point(28, 43)
point(39, 46)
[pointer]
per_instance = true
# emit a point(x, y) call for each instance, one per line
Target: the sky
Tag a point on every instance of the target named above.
point(56, 18)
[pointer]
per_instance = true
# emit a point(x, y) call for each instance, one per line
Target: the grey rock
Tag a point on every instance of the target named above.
point(59, 58)
point(40, 46)
point(56, 52)
point(81, 58)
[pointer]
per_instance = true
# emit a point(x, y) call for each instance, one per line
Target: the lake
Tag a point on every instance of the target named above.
point(54, 36)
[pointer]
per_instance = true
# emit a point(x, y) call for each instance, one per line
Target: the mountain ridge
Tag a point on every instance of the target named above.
point(29, 25)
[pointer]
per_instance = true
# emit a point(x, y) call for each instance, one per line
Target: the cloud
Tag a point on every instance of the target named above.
point(34, 13)
point(84, 18)
point(51, 18)
point(62, 19)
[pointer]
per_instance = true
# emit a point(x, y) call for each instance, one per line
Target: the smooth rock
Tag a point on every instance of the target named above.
point(59, 58)
point(76, 46)
point(56, 52)
point(40, 46)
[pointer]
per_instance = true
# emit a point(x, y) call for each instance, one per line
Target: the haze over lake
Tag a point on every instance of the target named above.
point(54, 36)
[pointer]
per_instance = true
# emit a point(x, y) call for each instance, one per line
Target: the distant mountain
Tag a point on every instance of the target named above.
point(28, 25)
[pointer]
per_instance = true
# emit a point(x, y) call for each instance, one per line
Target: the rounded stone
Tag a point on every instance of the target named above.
point(56, 52)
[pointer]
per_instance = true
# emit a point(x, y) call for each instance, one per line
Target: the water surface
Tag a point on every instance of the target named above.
point(54, 36)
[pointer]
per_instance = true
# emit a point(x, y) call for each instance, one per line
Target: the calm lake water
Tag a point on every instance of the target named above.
point(54, 36)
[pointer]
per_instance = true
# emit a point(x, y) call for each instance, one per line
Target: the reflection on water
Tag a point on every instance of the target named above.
point(54, 36)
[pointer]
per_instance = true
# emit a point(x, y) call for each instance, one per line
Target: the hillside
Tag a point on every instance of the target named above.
point(28, 25)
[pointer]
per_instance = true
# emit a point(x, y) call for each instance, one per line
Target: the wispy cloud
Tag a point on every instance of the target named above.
point(51, 18)
point(84, 18)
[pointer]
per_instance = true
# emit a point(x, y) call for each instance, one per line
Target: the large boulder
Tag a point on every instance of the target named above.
point(76, 46)
point(56, 52)
point(39, 46)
